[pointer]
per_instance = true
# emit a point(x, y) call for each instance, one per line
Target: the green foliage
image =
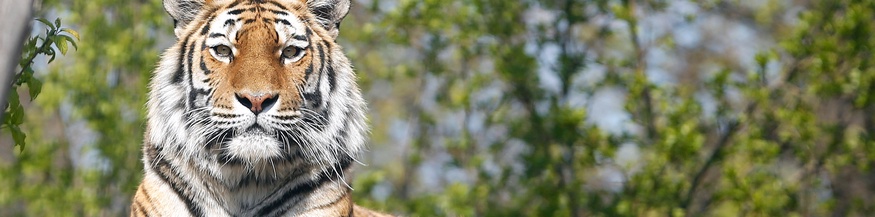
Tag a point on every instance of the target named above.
point(505, 108)
point(55, 37)
point(84, 132)
point(776, 137)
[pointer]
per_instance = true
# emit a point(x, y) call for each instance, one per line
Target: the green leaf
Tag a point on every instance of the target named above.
point(74, 33)
point(44, 21)
point(26, 74)
point(61, 43)
point(17, 116)
point(34, 86)
point(18, 136)
point(58, 22)
point(69, 39)
point(13, 99)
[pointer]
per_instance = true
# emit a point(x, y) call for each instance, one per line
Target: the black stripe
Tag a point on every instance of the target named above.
point(276, 39)
point(147, 196)
point(327, 45)
point(229, 22)
point(204, 47)
point(286, 117)
point(235, 3)
point(314, 99)
point(278, 5)
point(165, 171)
point(308, 71)
point(141, 208)
point(324, 64)
point(282, 13)
point(345, 163)
point(321, 56)
point(177, 76)
point(216, 35)
point(203, 64)
point(206, 28)
point(282, 204)
point(299, 37)
point(284, 22)
point(177, 186)
point(190, 64)
point(237, 11)
point(226, 115)
point(332, 75)
point(204, 68)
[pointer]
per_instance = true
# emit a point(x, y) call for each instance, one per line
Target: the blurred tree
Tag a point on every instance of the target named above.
point(85, 129)
point(521, 108)
point(729, 108)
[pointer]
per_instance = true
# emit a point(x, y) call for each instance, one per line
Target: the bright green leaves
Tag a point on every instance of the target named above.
point(55, 37)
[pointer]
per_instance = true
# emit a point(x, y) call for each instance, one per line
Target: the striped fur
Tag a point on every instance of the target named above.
point(214, 148)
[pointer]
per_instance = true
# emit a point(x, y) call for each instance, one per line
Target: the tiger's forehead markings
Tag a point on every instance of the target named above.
point(288, 25)
point(227, 23)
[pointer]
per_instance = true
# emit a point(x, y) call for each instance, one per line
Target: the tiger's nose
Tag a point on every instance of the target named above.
point(257, 102)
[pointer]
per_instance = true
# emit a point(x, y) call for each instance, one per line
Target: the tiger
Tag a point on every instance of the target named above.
point(254, 111)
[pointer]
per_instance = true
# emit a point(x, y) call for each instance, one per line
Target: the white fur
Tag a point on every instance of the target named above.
point(182, 142)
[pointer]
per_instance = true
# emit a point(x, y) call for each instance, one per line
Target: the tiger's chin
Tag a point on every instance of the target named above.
point(253, 147)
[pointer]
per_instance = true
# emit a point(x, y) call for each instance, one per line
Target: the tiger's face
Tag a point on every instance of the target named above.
point(257, 60)
point(258, 82)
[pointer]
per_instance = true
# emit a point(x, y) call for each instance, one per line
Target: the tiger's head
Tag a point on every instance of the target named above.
point(257, 85)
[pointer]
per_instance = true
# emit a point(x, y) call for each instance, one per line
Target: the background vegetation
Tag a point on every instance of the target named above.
point(516, 108)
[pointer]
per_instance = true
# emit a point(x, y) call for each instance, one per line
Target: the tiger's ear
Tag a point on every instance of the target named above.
point(182, 12)
point(329, 13)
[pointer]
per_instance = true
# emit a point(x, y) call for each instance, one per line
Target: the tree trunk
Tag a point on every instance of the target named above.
point(16, 16)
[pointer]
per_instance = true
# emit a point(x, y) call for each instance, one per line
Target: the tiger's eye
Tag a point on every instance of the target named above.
point(290, 52)
point(222, 50)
